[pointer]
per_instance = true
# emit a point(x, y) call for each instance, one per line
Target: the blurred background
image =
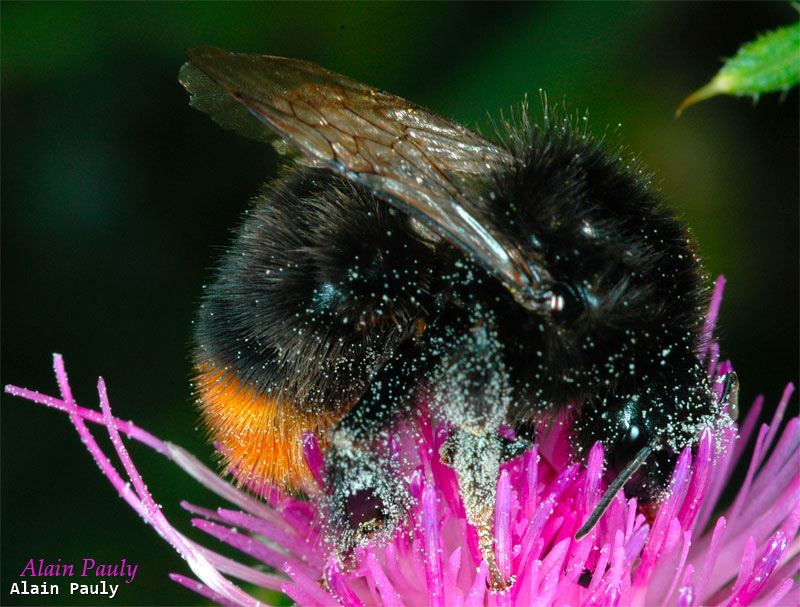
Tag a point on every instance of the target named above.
point(117, 197)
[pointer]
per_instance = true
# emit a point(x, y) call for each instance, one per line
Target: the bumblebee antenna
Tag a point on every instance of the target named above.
point(608, 496)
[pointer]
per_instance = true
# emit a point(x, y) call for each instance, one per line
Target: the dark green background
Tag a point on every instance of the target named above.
point(117, 197)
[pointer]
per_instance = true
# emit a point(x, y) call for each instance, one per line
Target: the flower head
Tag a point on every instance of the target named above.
point(684, 554)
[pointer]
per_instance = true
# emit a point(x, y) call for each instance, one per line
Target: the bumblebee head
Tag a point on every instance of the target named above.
point(644, 433)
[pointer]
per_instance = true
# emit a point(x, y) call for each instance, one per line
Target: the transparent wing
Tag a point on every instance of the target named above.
point(417, 161)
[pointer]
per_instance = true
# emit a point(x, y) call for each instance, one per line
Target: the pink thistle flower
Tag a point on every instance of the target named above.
point(686, 555)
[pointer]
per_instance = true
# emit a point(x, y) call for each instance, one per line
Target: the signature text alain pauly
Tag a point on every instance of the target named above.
point(107, 577)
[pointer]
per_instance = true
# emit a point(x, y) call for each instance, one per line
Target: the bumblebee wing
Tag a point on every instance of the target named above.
point(417, 161)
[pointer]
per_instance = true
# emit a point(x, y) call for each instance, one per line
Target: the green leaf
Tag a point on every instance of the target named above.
point(768, 64)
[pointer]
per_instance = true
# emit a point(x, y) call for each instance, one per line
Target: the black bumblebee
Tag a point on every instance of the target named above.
point(401, 256)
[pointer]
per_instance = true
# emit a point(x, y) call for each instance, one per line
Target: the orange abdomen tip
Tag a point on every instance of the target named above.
point(258, 437)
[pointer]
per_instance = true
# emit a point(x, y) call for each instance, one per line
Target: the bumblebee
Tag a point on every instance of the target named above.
point(402, 258)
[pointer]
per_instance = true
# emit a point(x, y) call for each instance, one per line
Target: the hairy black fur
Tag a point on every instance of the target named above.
point(320, 286)
point(325, 283)
point(627, 338)
point(626, 267)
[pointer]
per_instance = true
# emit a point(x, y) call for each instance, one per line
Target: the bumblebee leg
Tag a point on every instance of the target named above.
point(365, 495)
point(730, 393)
point(476, 459)
point(524, 436)
point(474, 398)
point(365, 498)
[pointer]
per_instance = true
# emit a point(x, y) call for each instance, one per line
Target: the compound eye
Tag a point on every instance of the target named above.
point(633, 440)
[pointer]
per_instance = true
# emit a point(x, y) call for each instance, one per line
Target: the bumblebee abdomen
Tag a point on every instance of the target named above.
point(316, 292)
point(259, 438)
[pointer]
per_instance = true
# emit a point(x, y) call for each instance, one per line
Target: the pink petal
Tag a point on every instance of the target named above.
point(433, 546)
point(755, 582)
